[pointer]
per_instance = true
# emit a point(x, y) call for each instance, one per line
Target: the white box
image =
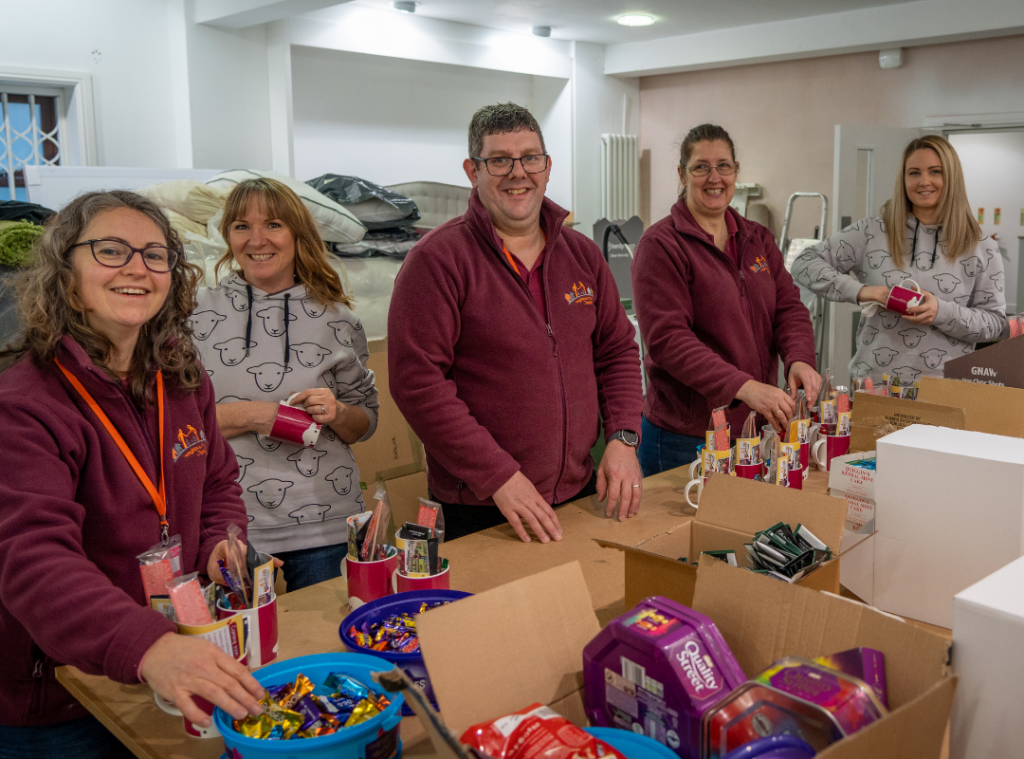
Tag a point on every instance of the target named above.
point(988, 629)
point(949, 511)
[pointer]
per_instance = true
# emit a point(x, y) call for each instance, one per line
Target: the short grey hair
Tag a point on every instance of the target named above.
point(500, 119)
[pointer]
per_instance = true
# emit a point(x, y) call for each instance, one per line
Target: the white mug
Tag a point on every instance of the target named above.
point(699, 482)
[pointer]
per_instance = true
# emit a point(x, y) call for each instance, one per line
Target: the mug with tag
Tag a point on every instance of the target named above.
point(901, 297)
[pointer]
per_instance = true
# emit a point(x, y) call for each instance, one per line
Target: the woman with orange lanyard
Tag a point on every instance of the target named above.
point(106, 379)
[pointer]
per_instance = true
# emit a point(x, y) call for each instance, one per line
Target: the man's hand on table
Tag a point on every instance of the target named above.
point(178, 667)
point(620, 480)
point(519, 501)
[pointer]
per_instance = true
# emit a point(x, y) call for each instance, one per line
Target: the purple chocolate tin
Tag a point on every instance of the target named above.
point(655, 671)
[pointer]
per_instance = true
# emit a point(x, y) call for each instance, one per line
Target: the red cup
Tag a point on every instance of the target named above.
point(403, 583)
point(262, 644)
point(191, 728)
point(796, 479)
point(750, 471)
point(369, 580)
point(832, 446)
point(294, 425)
point(901, 298)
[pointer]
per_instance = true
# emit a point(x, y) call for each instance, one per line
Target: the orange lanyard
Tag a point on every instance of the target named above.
point(510, 260)
point(159, 497)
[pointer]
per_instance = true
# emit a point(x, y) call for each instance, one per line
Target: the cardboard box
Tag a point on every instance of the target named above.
point(988, 627)
point(1001, 364)
point(989, 408)
point(394, 450)
point(875, 416)
point(731, 510)
point(521, 643)
point(950, 512)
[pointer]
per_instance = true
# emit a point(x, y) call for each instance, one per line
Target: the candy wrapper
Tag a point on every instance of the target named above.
point(189, 601)
point(376, 544)
point(431, 515)
point(357, 527)
point(536, 732)
point(394, 633)
point(159, 565)
point(237, 566)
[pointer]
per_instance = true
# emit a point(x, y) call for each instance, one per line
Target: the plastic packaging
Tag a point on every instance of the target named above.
point(237, 565)
point(189, 601)
point(431, 515)
point(376, 542)
point(536, 732)
point(159, 565)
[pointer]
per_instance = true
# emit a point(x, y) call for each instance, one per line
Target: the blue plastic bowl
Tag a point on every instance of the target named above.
point(773, 747)
point(377, 738)
point(632, 745)
point(398, 603)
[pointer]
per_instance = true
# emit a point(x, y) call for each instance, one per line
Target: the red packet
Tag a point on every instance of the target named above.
point(721, 429)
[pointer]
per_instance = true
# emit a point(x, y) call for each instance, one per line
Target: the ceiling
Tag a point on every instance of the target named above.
point(594, 20)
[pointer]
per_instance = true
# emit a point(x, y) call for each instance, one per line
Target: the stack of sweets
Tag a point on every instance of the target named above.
point(422, 540)
point(248, 575)
point(292, 710)
point(396, 633)
point(786, 554)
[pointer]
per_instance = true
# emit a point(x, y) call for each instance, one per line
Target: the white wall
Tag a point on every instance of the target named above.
point(131, 70)
point(390, 120)
point(993, 166)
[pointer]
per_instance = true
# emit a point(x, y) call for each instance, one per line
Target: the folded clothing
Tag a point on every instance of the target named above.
point(375, 206)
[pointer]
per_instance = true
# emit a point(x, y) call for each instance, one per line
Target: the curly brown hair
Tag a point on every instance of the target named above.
point(280, 202)
point(49, 306)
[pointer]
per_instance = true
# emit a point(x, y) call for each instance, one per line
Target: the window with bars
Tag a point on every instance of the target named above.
point(30, 132)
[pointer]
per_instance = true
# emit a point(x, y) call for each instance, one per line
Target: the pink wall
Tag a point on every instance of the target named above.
point(782, 116)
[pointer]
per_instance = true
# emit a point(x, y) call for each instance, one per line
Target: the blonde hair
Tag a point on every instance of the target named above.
point(49, 306)
point(959, 232)
point(311, 265)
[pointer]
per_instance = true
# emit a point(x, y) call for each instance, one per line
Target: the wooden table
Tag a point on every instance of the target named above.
point(309, 618)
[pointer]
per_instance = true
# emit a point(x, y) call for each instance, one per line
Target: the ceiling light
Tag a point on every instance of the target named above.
point(542, 31)
point(635, 19)
point(405, 7)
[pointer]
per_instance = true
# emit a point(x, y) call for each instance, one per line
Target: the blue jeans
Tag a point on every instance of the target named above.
point(82, 738)
point(308, 566)
point(661, 449)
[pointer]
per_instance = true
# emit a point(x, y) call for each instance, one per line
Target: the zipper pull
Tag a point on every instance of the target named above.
point(554, 343)
point(37, 670)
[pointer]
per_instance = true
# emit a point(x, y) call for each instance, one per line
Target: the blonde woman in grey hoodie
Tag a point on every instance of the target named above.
point(925, 234)
point(279, 327)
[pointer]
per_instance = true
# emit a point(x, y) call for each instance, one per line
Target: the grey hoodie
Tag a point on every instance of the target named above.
point(971, 293)
point(296, 497)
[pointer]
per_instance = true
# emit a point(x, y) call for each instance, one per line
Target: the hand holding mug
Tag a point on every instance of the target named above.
point(925, 312)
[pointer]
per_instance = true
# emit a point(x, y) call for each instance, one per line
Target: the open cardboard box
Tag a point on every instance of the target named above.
point(522, 643)
point(873, 415)
point(1000, 364)
point(988, 408)
point(731, 510)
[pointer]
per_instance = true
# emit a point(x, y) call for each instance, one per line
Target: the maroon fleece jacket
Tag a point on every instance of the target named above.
point(708, 325)
point(486, 383)
point(73, 518)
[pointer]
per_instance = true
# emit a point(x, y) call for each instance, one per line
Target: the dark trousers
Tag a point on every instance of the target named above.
point(461, 520)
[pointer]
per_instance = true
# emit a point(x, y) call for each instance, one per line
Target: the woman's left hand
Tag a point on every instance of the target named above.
point(926, 312)
point(319, 403)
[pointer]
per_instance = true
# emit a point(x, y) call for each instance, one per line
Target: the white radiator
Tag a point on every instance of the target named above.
point(620, 176)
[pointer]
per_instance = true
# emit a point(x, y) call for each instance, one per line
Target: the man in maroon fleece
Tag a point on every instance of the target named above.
point(508, 345)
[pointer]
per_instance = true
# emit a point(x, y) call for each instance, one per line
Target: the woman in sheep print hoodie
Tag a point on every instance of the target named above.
point(925, 234)
point(279, 325)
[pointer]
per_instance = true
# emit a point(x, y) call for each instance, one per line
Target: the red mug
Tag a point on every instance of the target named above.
point(191, 728)
point(294, 425)
point(262, 644)
point(750, 471)
point(834, 445)
point(403, 583)
point(796, 479)
point(369, 580)
point(901, 298)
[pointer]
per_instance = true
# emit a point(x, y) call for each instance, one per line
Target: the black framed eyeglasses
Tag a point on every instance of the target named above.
point(724, 169)
point(502, 166)
point(115, 254)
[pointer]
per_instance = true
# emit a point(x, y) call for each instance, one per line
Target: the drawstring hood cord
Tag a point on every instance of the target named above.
point(248, 322)
point(913, 249)
point(287, 317)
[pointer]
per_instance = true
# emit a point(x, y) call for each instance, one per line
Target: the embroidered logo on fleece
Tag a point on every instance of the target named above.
point(190, 443)
point(580, 294)
point(760, 264)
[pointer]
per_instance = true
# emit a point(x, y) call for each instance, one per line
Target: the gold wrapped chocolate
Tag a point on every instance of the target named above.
point(364, 710)
point(251, 727)
point(303, 686)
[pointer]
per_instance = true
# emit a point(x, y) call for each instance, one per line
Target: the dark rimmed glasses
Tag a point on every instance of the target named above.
point(724, 169)
point(115, 254)
point(502, 166)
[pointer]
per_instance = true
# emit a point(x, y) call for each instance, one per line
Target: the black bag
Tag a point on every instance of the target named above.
point(375, 206)
point(16, 210)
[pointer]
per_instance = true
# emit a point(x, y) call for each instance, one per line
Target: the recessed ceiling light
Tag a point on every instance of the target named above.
point(405, 7)
point(635, 19)
point(542, 31)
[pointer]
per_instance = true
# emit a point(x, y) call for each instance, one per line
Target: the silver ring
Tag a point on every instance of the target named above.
point(323, 409)
point(636, 486)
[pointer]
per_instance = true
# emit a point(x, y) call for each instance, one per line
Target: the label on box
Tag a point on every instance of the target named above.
point(652, 622)
point(697, 670)
point(859, 511)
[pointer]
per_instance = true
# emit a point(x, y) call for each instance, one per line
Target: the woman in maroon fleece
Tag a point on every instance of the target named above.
point(108, 300)
point(716, 307)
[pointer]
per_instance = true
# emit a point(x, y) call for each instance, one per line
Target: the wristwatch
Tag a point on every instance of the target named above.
point(628, 437)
